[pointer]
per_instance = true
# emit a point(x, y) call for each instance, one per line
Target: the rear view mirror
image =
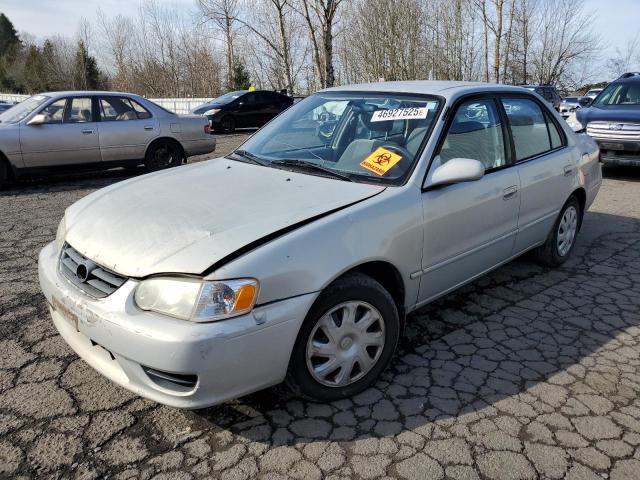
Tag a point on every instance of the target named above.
point(456, 170)
point(585, 101)
point(38, 119)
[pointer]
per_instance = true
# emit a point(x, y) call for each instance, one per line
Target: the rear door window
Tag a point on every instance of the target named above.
point(531, 133)
point(117, 109)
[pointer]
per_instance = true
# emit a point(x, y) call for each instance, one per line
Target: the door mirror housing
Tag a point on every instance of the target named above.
point(456, 170)
point(585, 101)
point(38, 119)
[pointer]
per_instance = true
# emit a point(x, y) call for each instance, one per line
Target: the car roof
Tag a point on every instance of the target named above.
point(76, 93)
point(447, 89)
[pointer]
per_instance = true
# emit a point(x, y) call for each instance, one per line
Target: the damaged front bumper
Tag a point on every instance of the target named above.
point(174, 362)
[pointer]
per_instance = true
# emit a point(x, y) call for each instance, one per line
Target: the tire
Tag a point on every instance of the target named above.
point(4, 174)
point(163, 154)
point(364, 296)
point(555, 252)
point(227, 124)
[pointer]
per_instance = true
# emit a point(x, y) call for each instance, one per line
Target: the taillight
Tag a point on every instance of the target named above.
point(208, 129)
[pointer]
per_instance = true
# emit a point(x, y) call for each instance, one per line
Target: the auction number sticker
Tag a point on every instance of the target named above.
point(410, 113)
point(380, 161)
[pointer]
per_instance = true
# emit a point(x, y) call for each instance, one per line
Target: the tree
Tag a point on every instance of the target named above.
point(223, 13)
point(8, 36)
point(86, 75)
point(241, 78)
point(322, 14)
point(625, 59)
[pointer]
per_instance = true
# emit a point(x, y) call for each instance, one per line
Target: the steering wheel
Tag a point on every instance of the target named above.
point(325, 129)
point(403, 152)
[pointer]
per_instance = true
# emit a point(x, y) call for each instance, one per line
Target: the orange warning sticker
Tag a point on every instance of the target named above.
point(380, 161)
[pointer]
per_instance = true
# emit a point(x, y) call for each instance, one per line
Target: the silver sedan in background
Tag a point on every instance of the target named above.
point(299, 255)
point(99, 130)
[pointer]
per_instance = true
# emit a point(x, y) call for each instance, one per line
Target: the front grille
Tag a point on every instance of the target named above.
point(614, 131)
point(92, 279)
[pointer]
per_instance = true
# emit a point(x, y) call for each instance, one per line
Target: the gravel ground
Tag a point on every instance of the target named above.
point(526, 373)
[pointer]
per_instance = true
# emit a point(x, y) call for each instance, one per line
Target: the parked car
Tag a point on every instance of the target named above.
point(593, 93)
point(243, 109)
point(100, 130)
point(4, 105)
point(613, 120)
point(298, 257)
point(548, 92)
point(568, 106)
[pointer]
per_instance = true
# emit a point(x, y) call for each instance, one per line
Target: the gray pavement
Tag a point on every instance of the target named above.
point(526, 373)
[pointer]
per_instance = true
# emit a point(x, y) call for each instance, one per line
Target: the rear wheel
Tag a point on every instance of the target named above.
point(562, 238)
point(4, 173)
point(161, 155)
point(346, 341)
point(227, 124)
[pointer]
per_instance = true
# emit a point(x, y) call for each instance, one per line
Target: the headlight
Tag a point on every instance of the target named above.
point(60, 234)
point(213, 111)
point(197, 300)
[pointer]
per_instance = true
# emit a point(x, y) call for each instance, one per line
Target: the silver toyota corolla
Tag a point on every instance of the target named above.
point(96, 130)
point(299, 255)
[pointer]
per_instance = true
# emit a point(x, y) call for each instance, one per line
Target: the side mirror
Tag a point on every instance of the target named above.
point(456, 170)
point(585, 101)
point(38, 119)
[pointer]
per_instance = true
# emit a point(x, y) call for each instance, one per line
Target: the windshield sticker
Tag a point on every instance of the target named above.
point(380, 161)
point(400, 114)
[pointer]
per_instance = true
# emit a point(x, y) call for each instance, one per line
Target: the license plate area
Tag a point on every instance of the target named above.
point(65, 313)
point(612, 146)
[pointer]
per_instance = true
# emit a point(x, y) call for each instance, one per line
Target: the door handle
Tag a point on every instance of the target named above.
point(510, 192)
point(568, 170)
point(87, 132)
point(148, 127)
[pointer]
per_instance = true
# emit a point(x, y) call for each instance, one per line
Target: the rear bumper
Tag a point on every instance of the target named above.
point(230, 358)
point(199, 146)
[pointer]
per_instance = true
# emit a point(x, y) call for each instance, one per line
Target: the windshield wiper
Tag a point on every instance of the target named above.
point(245, 155)
point(286, 162)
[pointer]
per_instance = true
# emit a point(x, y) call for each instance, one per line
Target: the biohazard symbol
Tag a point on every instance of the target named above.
point(380, 161)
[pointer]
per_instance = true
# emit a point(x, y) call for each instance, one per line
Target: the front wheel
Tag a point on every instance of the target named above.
point(562, 238)
point(227, 124)
point(4, 174)
point(346, 341)
point(161, 155)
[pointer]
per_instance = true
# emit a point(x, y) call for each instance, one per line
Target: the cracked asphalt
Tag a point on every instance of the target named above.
point(526, 373)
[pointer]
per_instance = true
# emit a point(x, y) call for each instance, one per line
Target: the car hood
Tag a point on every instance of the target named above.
point(185, 220)
point(609, 114)
point(203, 108)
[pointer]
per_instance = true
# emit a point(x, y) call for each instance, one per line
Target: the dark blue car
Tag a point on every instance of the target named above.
point(243, 108)
point(612, 119)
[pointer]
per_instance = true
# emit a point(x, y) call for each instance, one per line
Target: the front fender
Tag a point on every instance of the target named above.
point(387, 227)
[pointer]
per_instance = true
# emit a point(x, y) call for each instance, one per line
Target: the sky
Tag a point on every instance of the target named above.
point(616, 21)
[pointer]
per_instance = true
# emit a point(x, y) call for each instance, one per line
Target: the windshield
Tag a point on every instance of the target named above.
point(366, 137)
point(619, 94)
point(570, 99)
point(23, 109)
point(227, 97)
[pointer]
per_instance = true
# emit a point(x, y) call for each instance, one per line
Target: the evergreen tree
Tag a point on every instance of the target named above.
point(86, 75)
point(8, 36)
point(241, 78)
point(34, 76)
